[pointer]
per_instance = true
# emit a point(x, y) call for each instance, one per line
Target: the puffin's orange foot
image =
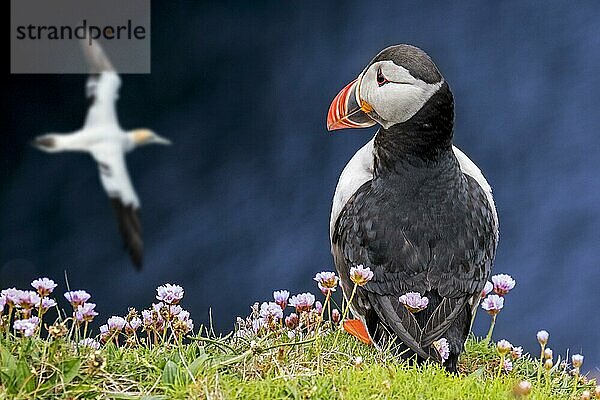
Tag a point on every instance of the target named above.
point(356, 328)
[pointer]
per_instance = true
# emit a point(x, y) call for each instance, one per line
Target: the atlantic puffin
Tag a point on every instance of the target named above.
point(103, 138)
point(411, 207)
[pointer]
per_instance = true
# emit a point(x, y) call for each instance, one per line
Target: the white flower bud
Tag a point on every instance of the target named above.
point(542, 337)
point(503, 346)
point(523, 388)
point(586, 395)
point(577, 360)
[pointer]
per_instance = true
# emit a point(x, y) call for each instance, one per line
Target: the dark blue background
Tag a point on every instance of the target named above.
point(240, 204)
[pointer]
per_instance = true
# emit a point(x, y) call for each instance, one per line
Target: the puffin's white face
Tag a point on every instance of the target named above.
point(390, 90)
point(389, 94)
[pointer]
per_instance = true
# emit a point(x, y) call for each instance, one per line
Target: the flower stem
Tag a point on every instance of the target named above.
point(325, 305)
point(348, 303)
point(488, 337)
point(575, 381)
point(346, 308)
point(40, 312)
point(539, 374)
point(501, 366)
point(10, 312)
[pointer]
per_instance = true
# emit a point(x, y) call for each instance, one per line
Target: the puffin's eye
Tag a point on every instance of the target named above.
point(381, 80)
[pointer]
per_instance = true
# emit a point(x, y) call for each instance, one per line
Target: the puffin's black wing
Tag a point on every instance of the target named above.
point(443, 250)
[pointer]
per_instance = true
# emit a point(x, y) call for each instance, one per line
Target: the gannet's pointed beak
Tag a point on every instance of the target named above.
point(161, 140)
point(347, 110)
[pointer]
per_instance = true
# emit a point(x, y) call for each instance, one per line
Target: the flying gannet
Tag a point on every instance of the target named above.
point(107, 142)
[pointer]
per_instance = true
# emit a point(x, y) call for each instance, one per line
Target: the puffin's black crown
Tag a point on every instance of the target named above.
point(415, 60)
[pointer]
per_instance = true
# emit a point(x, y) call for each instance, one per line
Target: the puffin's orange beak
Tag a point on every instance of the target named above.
point(347, 110)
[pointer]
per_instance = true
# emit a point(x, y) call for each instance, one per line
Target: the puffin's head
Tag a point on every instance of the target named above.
point(142, 136)
point(389, 91)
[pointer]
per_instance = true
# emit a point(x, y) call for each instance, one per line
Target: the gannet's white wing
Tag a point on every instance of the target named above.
point(118, 186)
point(102, 92)
point(102, 88)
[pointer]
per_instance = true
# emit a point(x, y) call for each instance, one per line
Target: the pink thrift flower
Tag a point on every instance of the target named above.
point(281, 297)
point(360, 275)
point(184, 316)
point(44, 286)
point(2, 303)
point(89, 343)
point(302, 301)
point(116, 324)
point(45, 304)
point(155, 315)
point(27, 326)
point(133, 325)
point(271, 312)
point(318, 307)
point(327, 281)
point(292, 321)
point(158, 306)
point(176, 309)
point(489, 286)
point(414, 302)
point(503, 284)
point(147, 318)
point(85, 312)
point(189, 323)
point(257, 324)
point(336, 316)
point(507, 366)
point(516, 352)
point(443, 348)
point(11, 296)
point(493, 304)
point(27, 299)
point(77, 297)
point(169, 294)
point(104, 333)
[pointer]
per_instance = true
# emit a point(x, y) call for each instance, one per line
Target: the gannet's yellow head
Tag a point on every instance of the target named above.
point(143, 136)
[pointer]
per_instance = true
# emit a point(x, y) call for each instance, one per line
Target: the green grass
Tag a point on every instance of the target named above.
point(305, 357)
point(259, 368)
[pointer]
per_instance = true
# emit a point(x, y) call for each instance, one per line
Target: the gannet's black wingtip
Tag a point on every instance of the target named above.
point(44, 143)
point(131, 231)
